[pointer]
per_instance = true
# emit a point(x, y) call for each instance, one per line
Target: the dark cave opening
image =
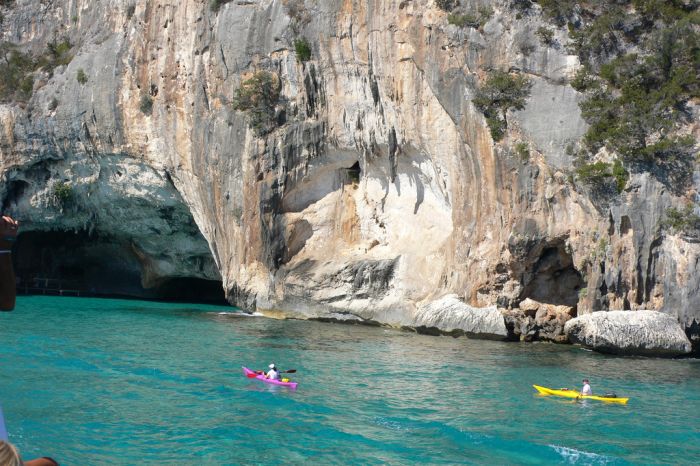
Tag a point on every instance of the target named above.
point(191, 290)
point(354, 172)
point(15, 190)
point(553, 278)
point(89, 264)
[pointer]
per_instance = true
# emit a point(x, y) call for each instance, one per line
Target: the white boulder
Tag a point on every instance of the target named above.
point(647, 333)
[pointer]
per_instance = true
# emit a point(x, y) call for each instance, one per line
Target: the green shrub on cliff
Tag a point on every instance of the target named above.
point(462, 20)
point(302, 49)
point(485, 14)
point(59, 52)
point(621, 176)
point(601, 175)
point(546, 35)
point(501, 92)
point(17, 69)
point(641, 69)
point(522, 148)
point(559, 11)
point(682, 220)
point(258, 96)
point(594, 173)
point(585, 80)
point(62, 193)
point(16, 82)
point(56, 54)
point(81, 76)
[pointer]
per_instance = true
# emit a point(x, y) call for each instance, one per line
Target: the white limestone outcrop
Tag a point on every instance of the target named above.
point(647, 333)
point(451, 315)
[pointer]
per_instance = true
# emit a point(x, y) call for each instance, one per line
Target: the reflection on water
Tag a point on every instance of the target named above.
point(124, 382)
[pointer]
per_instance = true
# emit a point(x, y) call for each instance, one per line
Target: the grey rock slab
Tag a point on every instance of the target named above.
point(552, 120)
point(451, 315)
point(646, 333)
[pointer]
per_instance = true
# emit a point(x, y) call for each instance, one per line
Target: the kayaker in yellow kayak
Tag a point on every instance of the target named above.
point(566, 393)
point(586, 390)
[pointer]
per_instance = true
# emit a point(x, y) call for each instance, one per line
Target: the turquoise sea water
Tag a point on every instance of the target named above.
point(97, 381)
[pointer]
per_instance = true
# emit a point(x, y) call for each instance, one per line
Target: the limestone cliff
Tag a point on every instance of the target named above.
point(375, 188)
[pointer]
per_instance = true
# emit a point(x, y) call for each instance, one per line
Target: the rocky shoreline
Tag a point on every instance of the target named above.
point(625, 333)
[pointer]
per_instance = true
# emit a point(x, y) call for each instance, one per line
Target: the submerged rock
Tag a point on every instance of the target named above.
point(450, 315)
point(647, 333)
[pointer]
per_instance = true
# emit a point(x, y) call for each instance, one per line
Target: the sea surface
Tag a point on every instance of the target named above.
point(111, 382)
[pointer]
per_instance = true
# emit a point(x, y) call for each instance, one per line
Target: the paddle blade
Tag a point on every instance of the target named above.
point(290, 371)
point(251, 375)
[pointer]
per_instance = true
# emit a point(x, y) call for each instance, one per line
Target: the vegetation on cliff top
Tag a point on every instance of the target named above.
point(640, 70)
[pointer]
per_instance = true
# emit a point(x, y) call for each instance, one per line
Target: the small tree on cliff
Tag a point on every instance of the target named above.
point(500, 92)
point(258, 96)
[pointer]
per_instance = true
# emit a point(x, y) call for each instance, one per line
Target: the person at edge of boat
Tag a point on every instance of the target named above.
point(9, 456)
point(586, 390)
point(273, 373)
point(8, 287)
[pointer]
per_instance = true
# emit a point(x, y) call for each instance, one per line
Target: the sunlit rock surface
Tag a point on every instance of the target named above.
point(646, 333)
point(378, 190)
point(450, 315)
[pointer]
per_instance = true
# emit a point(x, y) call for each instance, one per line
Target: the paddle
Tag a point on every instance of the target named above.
point(252, 375)
point(3, 430)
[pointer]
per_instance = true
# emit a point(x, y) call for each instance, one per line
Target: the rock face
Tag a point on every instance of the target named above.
point(537, 321)
point(374, 187)
point(646, 333)
point(450, 315)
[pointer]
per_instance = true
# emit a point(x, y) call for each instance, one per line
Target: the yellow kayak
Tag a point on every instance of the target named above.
point(574, 394)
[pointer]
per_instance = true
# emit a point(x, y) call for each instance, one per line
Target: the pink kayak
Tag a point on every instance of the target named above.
point(292, 385)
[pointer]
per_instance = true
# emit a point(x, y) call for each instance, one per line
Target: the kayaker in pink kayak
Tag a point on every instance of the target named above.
point(273, 373)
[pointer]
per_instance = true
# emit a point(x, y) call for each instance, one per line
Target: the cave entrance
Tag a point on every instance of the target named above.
point(89, 264)
point(353, 173)
point(553, 278)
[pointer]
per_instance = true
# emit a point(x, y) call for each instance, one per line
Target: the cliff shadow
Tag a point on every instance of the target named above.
point(89, 264)
point(548, 274)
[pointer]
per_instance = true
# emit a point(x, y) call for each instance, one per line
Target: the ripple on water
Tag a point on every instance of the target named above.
point(127, 382)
